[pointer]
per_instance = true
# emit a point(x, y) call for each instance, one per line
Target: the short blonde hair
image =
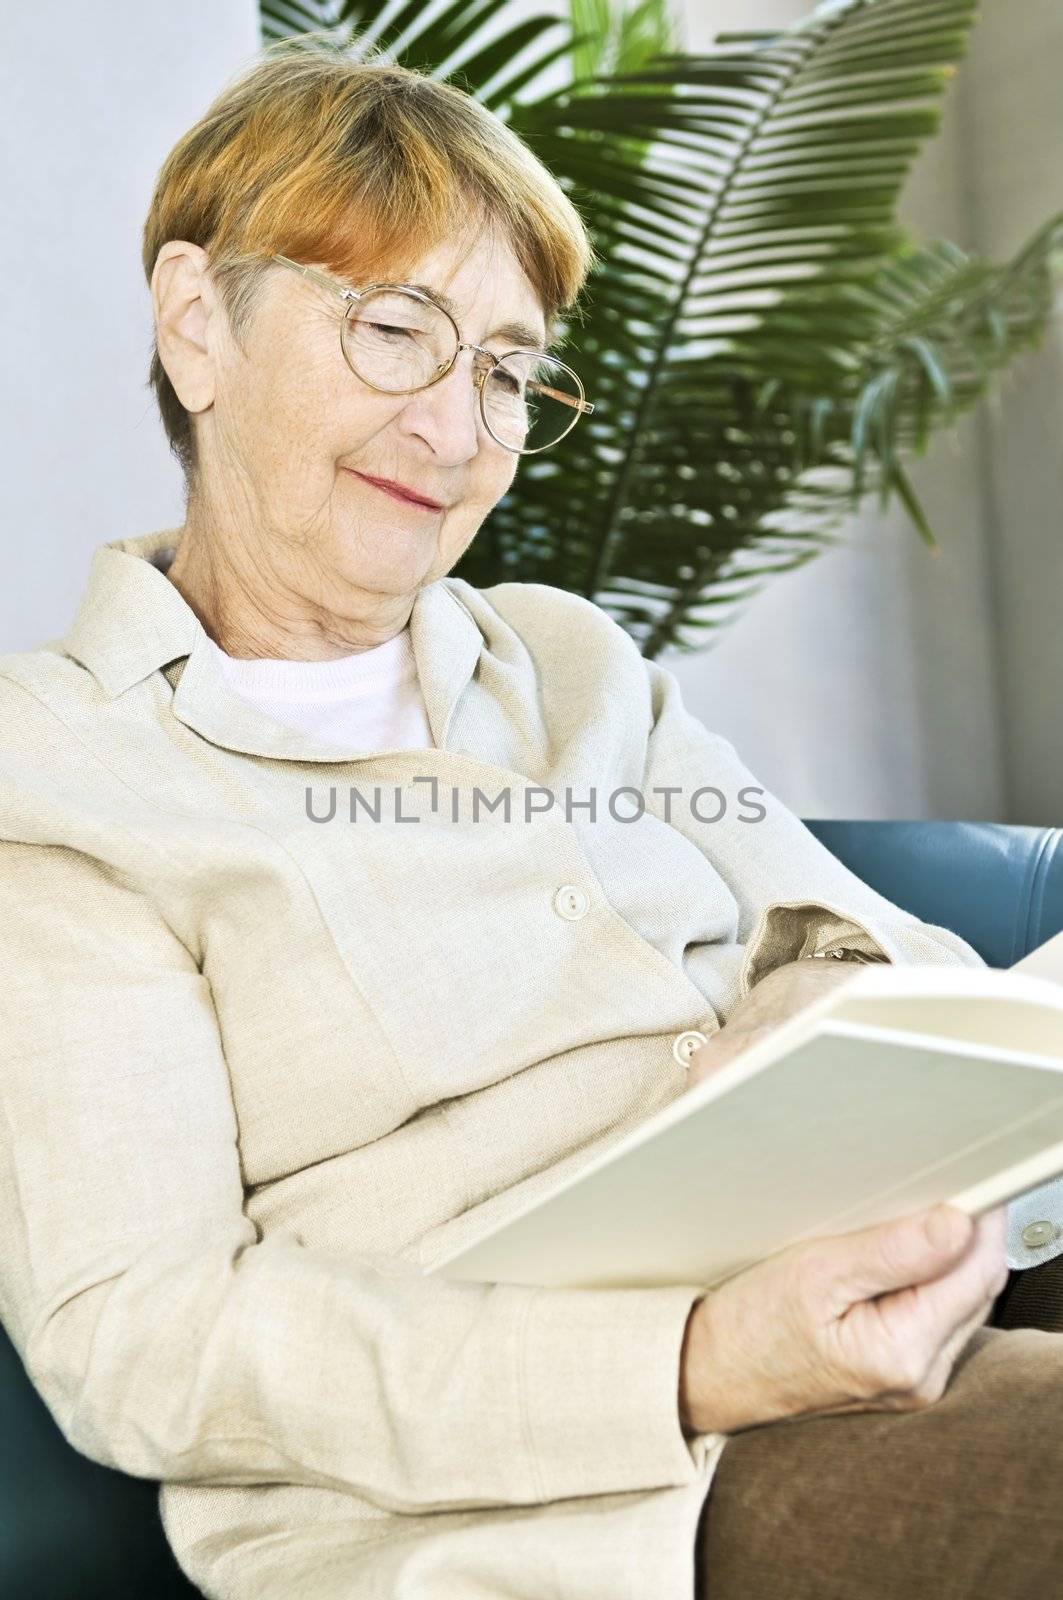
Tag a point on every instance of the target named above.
point(361, 165)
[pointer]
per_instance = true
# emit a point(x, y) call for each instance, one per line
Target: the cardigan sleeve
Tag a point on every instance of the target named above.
point(171, 1341)
point(794, 897)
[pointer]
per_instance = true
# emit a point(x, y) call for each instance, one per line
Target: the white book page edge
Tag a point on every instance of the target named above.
point(1046, 962)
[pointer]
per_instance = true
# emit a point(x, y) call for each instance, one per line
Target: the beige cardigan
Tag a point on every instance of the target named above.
point(256, 1067)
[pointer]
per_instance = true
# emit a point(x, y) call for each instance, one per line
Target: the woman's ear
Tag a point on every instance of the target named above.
point(185, 304)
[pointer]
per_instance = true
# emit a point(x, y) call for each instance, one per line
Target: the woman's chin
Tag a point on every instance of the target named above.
point(400, 570)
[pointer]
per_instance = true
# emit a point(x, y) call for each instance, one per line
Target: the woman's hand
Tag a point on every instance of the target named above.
point(872, 1320)
point(778, 995)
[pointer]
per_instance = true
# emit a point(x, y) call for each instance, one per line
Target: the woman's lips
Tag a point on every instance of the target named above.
point(406, 500)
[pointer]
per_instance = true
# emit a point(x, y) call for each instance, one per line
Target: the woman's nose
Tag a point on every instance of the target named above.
point(447, 414)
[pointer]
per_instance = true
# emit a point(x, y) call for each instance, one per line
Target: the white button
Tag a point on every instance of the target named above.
point(686, 1044)
point(1036, 1234)
point(571, 902)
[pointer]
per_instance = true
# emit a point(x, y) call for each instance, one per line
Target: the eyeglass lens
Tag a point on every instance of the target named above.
point(397, 342)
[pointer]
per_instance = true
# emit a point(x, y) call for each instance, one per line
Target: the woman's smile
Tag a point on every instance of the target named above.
point(386, 487)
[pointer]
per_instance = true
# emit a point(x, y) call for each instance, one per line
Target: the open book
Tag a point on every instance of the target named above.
point(901, 1088)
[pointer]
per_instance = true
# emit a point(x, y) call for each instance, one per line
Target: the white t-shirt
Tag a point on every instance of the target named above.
point(371, 700)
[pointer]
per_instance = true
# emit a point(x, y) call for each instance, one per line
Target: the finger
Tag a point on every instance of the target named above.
point(993, 1225)
point(936, 1310)
point(940, 1374)
point(932, 1385)
point(892, 1256)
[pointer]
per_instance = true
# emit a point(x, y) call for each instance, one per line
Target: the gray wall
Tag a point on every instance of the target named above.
point(89, 114)
point(1012, 133)
point(878, 681)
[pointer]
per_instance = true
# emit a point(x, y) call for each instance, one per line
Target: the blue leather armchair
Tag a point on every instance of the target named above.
point(73, 1530)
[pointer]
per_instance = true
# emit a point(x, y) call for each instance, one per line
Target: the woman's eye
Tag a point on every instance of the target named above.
point(385, 327)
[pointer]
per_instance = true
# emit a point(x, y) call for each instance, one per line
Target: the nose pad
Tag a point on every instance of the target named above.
point(480, 368)
point(482, 360)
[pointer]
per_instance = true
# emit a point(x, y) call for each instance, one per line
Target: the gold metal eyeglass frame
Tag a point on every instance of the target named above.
point(580, 407)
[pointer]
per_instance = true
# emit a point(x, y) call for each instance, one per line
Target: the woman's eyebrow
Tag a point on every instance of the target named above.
point(521, 332)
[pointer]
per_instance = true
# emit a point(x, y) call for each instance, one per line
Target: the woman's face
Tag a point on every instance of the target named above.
point(284, 427)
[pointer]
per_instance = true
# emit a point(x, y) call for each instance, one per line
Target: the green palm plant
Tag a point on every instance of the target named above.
point(763, 342)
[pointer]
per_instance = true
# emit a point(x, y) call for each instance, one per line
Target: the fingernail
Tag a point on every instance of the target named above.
point(942, 1228)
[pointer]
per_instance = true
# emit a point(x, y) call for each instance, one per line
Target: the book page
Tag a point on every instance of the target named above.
point(991, 1020)
point(1010, 1009)
point(1044, 962)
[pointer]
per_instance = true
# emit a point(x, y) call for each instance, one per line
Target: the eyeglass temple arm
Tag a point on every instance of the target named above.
point(318, 277)
point(565, 399)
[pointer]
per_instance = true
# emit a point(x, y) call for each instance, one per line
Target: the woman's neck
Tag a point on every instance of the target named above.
point(251, 612)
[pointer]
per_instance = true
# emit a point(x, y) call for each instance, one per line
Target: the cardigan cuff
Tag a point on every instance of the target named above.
point(788, 930)
point(601, 1391)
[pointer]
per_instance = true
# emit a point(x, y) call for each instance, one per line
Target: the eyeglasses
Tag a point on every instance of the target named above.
point(398, 340)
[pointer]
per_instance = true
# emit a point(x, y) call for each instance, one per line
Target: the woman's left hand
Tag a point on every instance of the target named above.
point(782, 992)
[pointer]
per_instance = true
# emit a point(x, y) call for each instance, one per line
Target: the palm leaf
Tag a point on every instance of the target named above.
point(943, 324)
point(286, 19)
point(790, 172)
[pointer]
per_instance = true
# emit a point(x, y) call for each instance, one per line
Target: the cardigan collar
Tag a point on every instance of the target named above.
point(132, 621)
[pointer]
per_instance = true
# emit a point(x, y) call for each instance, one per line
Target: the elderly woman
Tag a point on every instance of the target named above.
point(287, 1013)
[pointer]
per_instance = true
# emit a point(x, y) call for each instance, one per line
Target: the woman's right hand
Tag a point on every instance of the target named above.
point(872, 1320)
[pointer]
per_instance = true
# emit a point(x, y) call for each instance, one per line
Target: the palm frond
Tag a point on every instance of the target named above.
point(288, 19)
point(777, 169)
point(943, 324)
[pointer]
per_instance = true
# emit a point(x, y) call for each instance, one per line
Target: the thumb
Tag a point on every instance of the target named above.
point(895, 1255)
